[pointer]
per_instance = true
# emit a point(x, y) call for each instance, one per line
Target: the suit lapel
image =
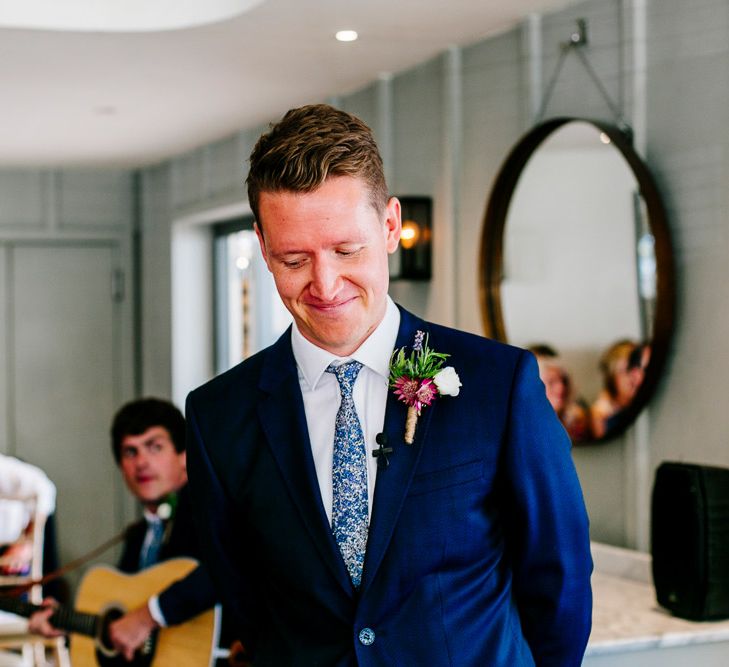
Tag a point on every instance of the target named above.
point(283, 421)
point(393, 482)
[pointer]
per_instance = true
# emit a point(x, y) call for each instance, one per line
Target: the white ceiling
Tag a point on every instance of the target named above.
point(128, 99)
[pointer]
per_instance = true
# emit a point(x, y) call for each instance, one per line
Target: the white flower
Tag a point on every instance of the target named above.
point(164, 511)
point(447, 381)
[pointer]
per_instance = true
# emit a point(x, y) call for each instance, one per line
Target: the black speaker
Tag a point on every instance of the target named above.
point(690, 540)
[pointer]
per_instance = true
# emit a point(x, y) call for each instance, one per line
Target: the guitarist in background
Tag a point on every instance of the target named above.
point(148, 442)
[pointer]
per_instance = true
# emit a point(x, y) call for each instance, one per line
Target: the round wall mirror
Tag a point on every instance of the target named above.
point(576, 265)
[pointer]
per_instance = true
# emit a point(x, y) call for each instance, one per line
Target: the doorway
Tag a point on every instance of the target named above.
point(249, 314)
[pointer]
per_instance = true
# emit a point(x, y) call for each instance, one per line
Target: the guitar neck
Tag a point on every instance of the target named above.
point(63, 618)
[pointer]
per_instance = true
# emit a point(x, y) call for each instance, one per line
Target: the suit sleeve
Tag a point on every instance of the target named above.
point(223, 552)
point(129, 561)
point(187, 597)
point(547, 526)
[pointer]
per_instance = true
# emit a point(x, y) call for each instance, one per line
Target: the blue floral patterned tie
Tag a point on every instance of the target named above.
point(349, 476)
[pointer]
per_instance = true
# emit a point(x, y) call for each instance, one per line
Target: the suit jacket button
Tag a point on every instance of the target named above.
point(367, 636)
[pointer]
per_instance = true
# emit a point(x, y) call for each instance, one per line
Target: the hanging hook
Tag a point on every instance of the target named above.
point(579, 38)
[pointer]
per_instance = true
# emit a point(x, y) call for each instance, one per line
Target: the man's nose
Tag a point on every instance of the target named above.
point(325, 280)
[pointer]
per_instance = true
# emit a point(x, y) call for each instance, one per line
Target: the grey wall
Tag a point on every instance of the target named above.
point(66, 341)
point(688, 149)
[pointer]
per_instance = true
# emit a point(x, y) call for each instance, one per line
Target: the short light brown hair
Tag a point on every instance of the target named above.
point(307, 146)
point(610, 360)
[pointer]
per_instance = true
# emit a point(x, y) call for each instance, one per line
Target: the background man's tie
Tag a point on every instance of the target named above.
point(150, 549)
point(349, 476)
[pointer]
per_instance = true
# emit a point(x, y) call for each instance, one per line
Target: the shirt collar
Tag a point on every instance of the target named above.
point(375, 351)
point(150, 517)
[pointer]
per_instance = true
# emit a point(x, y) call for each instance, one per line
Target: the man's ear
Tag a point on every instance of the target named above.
point(393, 224)
point(262, 243)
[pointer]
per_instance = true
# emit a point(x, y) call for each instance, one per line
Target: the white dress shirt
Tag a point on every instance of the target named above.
point(322, 397)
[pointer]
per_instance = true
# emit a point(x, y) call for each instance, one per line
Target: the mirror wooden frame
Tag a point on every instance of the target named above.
point(491, 261)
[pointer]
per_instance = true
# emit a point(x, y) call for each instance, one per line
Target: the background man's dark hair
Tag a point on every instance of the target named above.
point(135, 417)
point(308, 145)
point(542, 350)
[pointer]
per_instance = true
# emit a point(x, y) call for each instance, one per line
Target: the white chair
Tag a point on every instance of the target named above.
point(17, 646)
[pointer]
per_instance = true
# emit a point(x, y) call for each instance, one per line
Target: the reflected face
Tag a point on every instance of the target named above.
point(637, 373)
point(151, 466)
point(555, 386)
point(626, 383)
point(327, 251)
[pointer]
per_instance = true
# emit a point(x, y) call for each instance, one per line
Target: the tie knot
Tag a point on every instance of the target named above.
point(346, 374)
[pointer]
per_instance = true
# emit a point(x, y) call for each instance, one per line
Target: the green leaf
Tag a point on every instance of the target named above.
point(419, 364)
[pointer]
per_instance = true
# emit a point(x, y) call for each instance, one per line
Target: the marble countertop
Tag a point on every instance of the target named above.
point(626, 616)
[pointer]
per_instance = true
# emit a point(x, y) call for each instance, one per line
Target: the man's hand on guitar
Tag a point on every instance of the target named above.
point(129, 632)
point(39, 622)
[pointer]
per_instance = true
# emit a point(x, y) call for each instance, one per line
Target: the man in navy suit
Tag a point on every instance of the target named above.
point(469, 546)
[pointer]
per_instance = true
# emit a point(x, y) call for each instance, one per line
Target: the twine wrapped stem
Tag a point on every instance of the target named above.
point(410, 423)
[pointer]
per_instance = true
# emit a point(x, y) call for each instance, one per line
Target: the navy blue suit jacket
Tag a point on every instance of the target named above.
point(478, 550)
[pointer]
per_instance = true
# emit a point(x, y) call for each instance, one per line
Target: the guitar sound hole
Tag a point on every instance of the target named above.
point(109, 617)
point(106, 654)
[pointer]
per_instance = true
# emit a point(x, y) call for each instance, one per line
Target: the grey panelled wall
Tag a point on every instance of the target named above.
point(66, 357)
point(417, 131)
point(155, 275)
point(494, 87)
point(688, 147)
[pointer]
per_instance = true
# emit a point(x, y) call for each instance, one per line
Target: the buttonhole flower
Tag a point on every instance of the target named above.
point(419, 377)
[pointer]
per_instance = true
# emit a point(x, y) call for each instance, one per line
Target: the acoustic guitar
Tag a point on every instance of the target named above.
point(104, 595)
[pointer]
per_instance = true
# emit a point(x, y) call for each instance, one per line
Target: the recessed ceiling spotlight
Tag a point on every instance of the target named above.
point(346, 35)
point(604, 138)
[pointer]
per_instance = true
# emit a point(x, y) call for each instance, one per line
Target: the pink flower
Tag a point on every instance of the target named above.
point(406, 389)
point(415, 393)
point(426, 392)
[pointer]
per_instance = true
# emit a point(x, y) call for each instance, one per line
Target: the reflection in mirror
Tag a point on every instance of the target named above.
point(571, 272)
